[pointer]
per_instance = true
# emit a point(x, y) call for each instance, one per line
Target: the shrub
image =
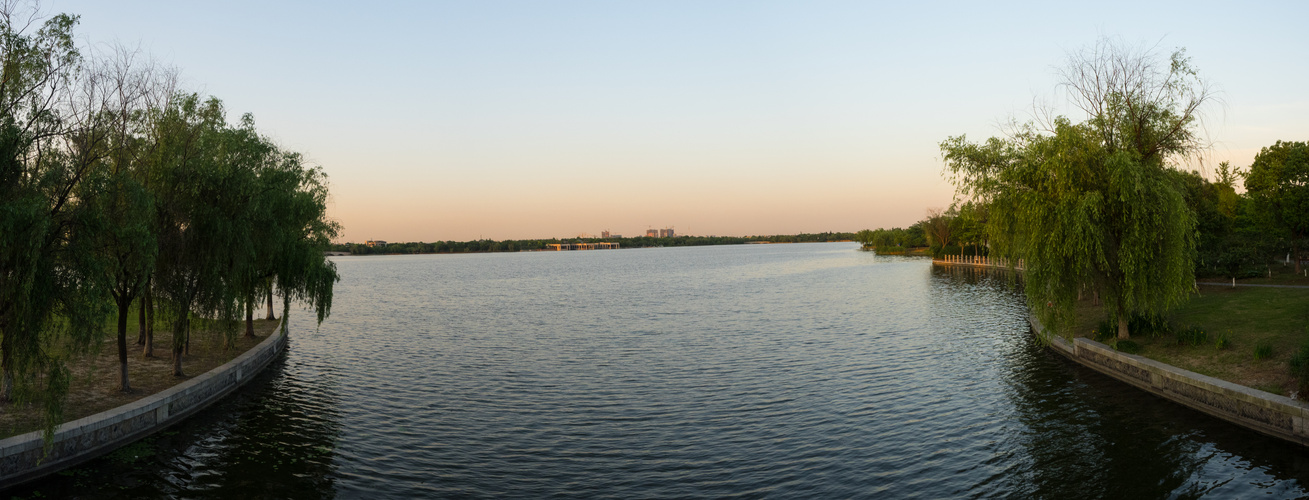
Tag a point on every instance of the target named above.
point(1222, 342)
point(1104, 331)
point(1193, 336)
point(1300, 366)
point(1263, 350)
point(1153, 326)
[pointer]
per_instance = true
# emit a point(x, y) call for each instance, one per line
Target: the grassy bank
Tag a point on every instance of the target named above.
point(1244, 335)
point(93, 387)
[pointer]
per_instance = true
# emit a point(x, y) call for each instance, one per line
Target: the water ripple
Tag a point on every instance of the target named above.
point(719, 372)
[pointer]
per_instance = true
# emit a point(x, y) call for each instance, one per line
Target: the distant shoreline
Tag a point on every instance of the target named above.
point(492, 246)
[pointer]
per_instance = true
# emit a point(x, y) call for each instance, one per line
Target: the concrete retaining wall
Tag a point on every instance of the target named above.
point(22, 457)
point(1274, 415)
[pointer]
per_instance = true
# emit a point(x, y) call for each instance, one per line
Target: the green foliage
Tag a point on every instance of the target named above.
point(112, 182)
point(50, 303)
point(1222, 341)
point(1263, 350)
point(1153, 326)
point(1127, 346)
point(1104, 331)
point(1193, 336)
point(1095, 203)
point(1278, 184)
point(1299, 365)
point(894, 240)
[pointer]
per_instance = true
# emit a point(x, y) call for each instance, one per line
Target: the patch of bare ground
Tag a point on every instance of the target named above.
point(93, 387)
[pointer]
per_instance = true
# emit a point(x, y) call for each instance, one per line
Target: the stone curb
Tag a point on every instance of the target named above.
point(22, 457)
point(1271, 414)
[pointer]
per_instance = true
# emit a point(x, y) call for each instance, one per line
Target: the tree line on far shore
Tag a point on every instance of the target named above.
point(477, 246)
point(119, 189)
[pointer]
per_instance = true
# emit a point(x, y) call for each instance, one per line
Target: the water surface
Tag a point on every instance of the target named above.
point(733, 371)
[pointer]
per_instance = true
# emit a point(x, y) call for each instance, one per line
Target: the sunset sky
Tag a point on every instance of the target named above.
point(511, 120)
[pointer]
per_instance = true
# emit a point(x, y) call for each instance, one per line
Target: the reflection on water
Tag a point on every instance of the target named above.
point(808, 370)
point(274, 438)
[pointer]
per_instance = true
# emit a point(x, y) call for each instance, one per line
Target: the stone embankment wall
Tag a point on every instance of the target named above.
point(1274, 415)
point(23, 457)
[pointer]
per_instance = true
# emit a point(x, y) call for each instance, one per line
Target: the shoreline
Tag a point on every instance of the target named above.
point(23, 458)
point(1263, 412)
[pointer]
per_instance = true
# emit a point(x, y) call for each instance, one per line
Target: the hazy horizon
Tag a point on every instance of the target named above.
point(522, 120)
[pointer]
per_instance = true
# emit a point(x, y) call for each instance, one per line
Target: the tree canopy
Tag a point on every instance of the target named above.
point(1278, 183)
point(1096, 204)
point(115, 185)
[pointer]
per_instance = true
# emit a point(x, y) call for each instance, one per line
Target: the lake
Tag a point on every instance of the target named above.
point(800, 370)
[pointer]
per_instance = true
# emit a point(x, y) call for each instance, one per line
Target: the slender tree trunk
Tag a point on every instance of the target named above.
point(7, 366)
point(177, 361)
point(124, 310)
point(1123, 334)
point(140, 319)
point(270, 301)
point(179, 340)
point(1295, 251)
point(149, 305)
point(250, 317)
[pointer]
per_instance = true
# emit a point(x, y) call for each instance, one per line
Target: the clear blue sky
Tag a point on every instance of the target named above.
point(459, 120)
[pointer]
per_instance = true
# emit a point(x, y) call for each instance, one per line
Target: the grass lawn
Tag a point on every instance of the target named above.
point(93, 387)
point(1247, 316)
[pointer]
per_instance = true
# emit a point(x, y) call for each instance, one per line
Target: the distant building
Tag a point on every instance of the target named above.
point(666, 233)
point(652, 233)
point(375, 243)
point(604, 234)
point(582, 246)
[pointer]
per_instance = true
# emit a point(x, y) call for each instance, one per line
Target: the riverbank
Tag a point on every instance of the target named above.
point(29, 456)
point(93, 386)
point(1243, 335)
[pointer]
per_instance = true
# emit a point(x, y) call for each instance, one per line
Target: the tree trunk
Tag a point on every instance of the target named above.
point(177, 361)
point(179, 340)
point(149, 304)
point(140, 319)
point(250, 317)
point(1123, 334)
point(124, 310)
point(270, 302)
point(7, 366)
point(1295, 251)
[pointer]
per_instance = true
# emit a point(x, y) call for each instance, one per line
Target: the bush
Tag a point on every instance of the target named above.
point(1154, 326)
point(1127, 346)
point(1193, 336)
point(1104, 331)
point(1222, 342)
point(1300, 366)
point(1263, 350)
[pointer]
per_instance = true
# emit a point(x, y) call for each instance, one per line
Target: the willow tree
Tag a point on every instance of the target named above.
point(303, 234)
point(47, 304)
point(1095, 204)
point(201, 216)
